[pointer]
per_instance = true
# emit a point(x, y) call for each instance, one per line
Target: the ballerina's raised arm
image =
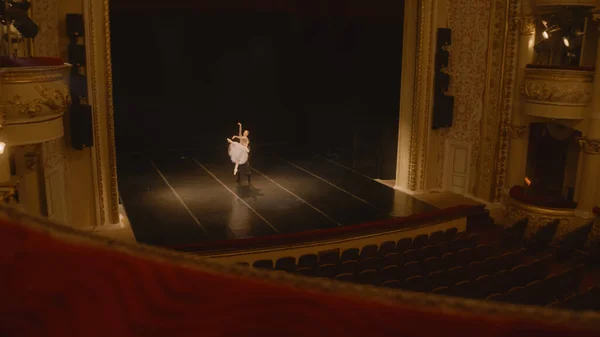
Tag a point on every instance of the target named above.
point(239, 132)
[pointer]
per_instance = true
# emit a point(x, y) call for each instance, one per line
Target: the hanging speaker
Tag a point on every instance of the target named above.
point(81, 126)
point(443, 112)
point(444, 37)
point(77, 55)
point(75, 25)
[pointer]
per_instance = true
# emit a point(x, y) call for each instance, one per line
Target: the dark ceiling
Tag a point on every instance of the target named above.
point(374, 9)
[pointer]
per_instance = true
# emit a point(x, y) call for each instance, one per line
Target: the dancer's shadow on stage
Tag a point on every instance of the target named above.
point(248, 191)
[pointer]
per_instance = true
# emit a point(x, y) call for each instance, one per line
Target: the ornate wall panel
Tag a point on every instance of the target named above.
point(483, 51)
point(45, 14)
point(469, 21)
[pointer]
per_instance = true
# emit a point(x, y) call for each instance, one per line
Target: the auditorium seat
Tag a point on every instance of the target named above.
point(464, 266)
point(329, 257)
point(390, 273)
point(345, 277)
point(462, 289)
point(420, 241)
point(403, 244)
point(386, 248)
point(435, 238)
point(263, 264)
point(350, 254)
point(542, 238)
point(308, 261)
point(393, 259)
point(450, 234)
point(350, 267)
point(369, 251)
point(572, 242)
point(415, 283)
point(286, 264)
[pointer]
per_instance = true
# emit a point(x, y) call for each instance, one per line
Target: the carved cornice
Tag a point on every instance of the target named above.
point(589, 146)
point(34, 74)
point(517, 131)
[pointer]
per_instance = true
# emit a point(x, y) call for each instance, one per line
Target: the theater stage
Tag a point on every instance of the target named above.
point(178, 198)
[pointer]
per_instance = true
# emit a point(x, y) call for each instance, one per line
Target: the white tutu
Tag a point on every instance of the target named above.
point(238, 153)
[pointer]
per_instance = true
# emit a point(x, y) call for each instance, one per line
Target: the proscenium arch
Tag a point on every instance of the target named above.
point(99, 69)
point(416, 93)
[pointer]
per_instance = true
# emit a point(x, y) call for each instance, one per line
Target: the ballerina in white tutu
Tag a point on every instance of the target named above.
point(239, 151)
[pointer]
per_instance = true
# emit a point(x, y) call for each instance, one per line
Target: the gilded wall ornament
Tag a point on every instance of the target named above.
point(55, 100)
point(574, 94)
point(589, 146)
point(527, 25)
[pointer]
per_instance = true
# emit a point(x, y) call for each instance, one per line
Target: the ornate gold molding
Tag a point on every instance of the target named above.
point(427, 109)
point(110, 123)
point(104, 139)
point(517, 131)
point(96, 108)
point(415, 135)
point(589, 146)
point(21, 77)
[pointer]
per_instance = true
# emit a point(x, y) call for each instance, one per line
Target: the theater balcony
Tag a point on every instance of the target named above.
point(557, 92)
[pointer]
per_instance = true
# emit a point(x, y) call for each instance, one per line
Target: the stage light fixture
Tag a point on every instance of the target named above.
point(545, 34)
point(566, 41)
point(14, 12)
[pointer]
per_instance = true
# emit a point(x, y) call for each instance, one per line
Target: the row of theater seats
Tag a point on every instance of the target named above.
point(403, 249)
point(447, 263)
point(544, 291)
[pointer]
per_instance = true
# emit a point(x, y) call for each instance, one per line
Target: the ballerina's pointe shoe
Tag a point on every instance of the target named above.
point(235, 171)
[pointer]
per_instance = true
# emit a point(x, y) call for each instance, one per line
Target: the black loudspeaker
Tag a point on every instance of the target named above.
point(444, 37)
point(77, 55)
point(75, 25)
point(442, 82)
point(443, 112)
point(81, 126)
point(442, 58)
point(79, 86)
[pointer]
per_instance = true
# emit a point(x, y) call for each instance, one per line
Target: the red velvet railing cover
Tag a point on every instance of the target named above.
point(56, 285)
point(445, 214)
point(30, 61)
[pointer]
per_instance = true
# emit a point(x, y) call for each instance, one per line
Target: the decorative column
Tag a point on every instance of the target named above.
point(518, 130)
point(590, 149)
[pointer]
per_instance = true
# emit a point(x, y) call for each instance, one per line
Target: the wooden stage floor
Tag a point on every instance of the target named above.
point(186, 197)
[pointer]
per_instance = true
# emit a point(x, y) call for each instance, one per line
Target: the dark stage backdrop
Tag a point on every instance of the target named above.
point(183, 79)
